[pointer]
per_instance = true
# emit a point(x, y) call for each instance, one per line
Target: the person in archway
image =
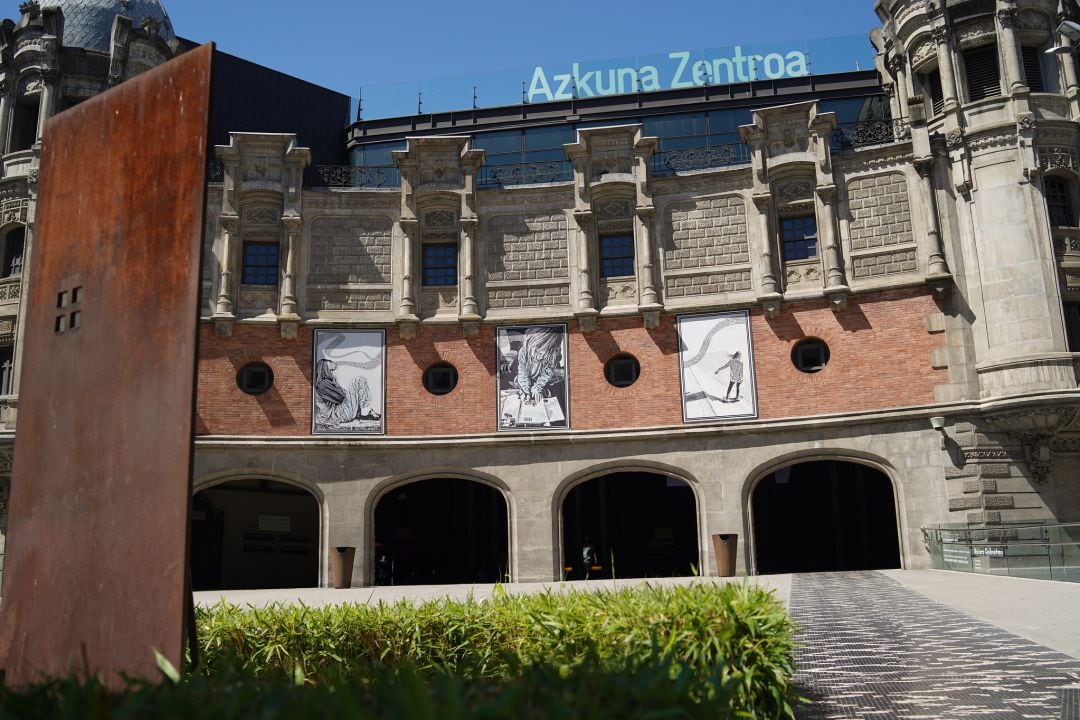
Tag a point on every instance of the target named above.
point(335, 405)
point(588, 556)
point(734, 366)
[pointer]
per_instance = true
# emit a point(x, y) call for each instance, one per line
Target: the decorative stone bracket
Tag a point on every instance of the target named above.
point(1039, 432)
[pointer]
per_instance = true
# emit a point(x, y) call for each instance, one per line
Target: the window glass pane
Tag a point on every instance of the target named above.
point(682, 143)
point(503, 141)
point(440, 264)
point(548, 137)
point(1059, 202)
point(260, 263)
point(851, 110)
point(798, 237)
point(728, 121)
point(675, 125)
point(616, 255)
point(502, 158)
point(378, 153)
point(544, 155)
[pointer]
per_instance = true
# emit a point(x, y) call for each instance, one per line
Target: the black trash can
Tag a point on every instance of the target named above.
point(724, 546)
point(341, 562)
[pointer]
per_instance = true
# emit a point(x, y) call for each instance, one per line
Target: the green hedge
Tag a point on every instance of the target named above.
point(691, 651)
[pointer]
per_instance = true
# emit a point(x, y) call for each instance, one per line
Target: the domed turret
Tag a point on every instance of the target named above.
point(88, 23)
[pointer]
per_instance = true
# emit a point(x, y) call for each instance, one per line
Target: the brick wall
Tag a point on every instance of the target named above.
point(880, 359)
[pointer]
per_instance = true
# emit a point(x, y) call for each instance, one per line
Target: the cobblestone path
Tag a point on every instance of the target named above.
point(873, 648)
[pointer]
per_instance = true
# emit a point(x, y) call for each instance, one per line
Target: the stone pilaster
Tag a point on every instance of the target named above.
point(409, 237)
point(945, 68)
point(289, 317)
point(1010, 46)
point(836, 288)
point(937, 268)
point(470, 309)
point(650, 298)
point(586, 301)
point(768, 294)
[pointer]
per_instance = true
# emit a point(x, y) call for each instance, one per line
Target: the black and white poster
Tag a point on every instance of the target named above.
point(349, 382)
point(533, 386)
point(716, 361)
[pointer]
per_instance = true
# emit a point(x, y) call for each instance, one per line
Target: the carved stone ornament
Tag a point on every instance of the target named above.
point(1032, 20)
point(794, 191)
point(1007, 17)
point(923, 51)
point(1025, 121)
point(439, 219)
point(614, 209)
point(975, 31)
point(954, 137)
point(940, 34)
point(261, 216)
point(1058, 157)
point(1036, 430)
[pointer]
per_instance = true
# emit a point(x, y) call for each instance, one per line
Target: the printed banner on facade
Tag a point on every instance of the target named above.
point(348, 382)
point(716, 360)
point(533, 384)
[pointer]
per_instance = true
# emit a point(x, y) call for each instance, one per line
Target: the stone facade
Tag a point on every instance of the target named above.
point(930, 273)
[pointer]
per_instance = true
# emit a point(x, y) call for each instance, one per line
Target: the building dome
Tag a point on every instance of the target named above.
point(88, 23)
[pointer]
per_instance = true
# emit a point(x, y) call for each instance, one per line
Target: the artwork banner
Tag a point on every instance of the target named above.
point(716, 363)
point(533, 385)
point(349, 383)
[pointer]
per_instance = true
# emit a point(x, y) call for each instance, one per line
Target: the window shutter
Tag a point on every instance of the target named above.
point(1033, 76)
point(981, 66)
point(932, 83)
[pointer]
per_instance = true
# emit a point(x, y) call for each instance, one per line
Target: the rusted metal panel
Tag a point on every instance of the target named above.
point(97, 539)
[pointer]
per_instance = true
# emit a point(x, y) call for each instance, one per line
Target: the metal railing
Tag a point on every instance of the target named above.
point(711, 157)
point(358, 176)
point(852, 136)
point(529, 173)
point(1041, 550)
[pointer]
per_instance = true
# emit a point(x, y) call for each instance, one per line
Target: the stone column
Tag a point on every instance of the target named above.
point(586, 293)
point(769, 295)
point(410, 229)
point(1068, 69)
point(470, 309)
point(936, 266)
point(902, 86)
point(644, 221)
point(230, 227)
point(835, 282)
point(292, 225)
point(47, 106)
point(1010, 44)
point(945, 68)
point(5, 112)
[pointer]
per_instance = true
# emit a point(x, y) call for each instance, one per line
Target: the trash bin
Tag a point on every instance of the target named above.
point(341, 562)
point(724, 545)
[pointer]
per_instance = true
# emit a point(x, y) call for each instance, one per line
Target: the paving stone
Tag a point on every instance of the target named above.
point(872, 648)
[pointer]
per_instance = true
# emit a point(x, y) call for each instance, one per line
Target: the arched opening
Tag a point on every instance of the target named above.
point(823, 516)
point(630, 525)
point(253, 533)
point(441, 531)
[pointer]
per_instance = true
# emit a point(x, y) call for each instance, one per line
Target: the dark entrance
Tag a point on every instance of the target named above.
point(249, 534)
point(823, 516)
point(630, 525)
point(441, 531)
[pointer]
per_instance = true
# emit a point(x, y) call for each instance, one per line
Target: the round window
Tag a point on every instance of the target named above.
point(810, 355)
point(622, 370)
point(440, 378)
point(255, 378)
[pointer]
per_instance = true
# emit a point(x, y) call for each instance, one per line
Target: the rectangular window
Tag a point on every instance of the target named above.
point(1058, 202)
point(981, 67)
point(616, 255)
point(1072, 325)
point(440, 264)
point(1033, 75)
point(798, 237)
point(260, 263)
point(13, 252)
point(931, 85)
point(7, 368)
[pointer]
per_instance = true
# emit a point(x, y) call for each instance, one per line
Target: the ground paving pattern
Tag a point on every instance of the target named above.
point(872, 648)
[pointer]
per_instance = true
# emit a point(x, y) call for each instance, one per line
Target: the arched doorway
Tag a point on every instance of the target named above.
point(441, 531)
point(630, 525)
point(822, 516)
point(254, 533)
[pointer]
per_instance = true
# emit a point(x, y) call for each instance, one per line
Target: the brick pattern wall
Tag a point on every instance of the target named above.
point(708, 284)
point(530, 247)
point(880, 211)
point(879, 356)
point(880, 359)
point(221, 408)
point(903, 261)
point(529, 297)
point(707, 233)
point(350, 250)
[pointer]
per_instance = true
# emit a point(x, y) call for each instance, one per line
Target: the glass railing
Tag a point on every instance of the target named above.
point(1041, 550)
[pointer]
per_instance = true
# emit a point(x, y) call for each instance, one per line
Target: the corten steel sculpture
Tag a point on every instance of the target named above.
point(97, 542)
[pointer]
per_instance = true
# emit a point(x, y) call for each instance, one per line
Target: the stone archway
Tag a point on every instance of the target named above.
point(254, 533)
point(630, 525)
point(824, 515)
point(444, 530)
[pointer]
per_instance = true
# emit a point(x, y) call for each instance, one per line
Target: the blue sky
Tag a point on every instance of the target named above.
point(346, 44)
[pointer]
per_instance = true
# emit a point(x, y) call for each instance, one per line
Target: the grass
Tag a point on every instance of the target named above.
point(691, 651)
